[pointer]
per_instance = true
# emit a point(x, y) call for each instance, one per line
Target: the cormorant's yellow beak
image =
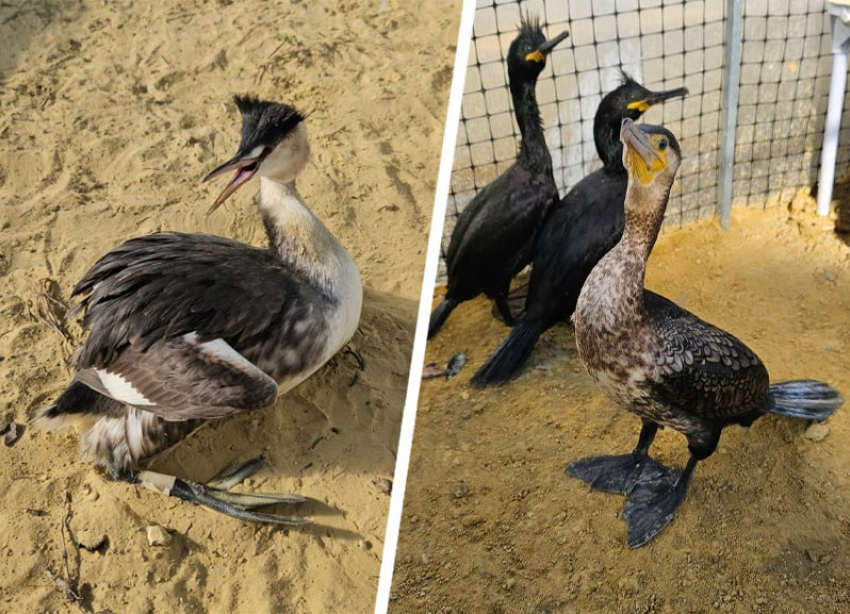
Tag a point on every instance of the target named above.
point(639, 154)
point(539, 54)
point(640, 105)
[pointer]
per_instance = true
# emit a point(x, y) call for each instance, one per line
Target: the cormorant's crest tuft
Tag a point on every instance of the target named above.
point(626, 78)
point(265, 123)
point(529, 24)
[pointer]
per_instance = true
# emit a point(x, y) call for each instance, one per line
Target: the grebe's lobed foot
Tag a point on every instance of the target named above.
point(236, 473)
point(216, 495)
point(617, 474)
point(651, 506)
point(237, 505)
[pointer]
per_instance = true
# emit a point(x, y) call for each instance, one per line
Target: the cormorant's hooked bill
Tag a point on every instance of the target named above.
point(655, 97)
point(539, 54)
point(638, 141)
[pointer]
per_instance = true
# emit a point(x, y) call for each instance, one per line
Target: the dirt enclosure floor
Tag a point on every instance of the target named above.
point(111, 114)
point(492, 524)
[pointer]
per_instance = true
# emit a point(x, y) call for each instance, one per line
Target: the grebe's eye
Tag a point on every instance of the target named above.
point(662, 144)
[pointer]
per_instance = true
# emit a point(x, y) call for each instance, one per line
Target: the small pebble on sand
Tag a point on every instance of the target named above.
point(817, 432)
point(13, 431)
point(384, 485)
point(473, 520)
point(157, 536)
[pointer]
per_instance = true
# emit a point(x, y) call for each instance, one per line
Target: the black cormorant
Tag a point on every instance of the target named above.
point(183, 328)
point(663, 363)
point(495, 233)
point(578, 231)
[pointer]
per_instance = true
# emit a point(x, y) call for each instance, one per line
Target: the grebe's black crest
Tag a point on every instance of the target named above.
point(265, 123)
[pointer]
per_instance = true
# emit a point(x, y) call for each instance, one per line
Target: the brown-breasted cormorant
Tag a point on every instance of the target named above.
point(577, 232)
point(496, 232)
point(183, 328)
point(663, 363)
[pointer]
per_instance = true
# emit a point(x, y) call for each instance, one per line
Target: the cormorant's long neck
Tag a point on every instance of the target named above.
point(533, 150)
point(298, 238)
point(606, 136)
point(645, 208)
point(617, 283)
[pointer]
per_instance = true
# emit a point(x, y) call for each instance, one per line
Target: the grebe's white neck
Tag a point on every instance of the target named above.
point(299, 239)
point(301, 242)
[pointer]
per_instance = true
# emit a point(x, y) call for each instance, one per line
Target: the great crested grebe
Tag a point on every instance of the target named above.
point(183, 328)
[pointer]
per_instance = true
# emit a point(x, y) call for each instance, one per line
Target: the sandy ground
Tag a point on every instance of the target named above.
point(111, 114)
point(491, 523)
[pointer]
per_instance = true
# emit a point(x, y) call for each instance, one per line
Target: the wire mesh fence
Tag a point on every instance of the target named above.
point(784, 87)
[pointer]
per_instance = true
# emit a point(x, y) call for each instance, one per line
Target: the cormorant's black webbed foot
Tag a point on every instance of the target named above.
point(616, 474)
point(620, 474)
point(652, 504)
point(216, 494)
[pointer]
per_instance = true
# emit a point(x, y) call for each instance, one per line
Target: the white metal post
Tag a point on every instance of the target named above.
point(837, 86)
point(729, 111)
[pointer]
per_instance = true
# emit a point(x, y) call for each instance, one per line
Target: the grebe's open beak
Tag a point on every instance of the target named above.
point(245, 165)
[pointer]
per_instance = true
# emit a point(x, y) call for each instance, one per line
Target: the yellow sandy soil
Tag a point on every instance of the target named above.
point(491, 523)
point(111, 114)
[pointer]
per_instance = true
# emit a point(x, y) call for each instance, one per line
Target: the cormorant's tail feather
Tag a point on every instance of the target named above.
point(510, 356)
point(440, 315)
point(806, 399)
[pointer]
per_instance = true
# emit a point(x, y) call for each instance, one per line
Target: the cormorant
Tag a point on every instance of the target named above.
point(183, 328)
point(495, 233)
point(578, 231)
point(663, 363)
